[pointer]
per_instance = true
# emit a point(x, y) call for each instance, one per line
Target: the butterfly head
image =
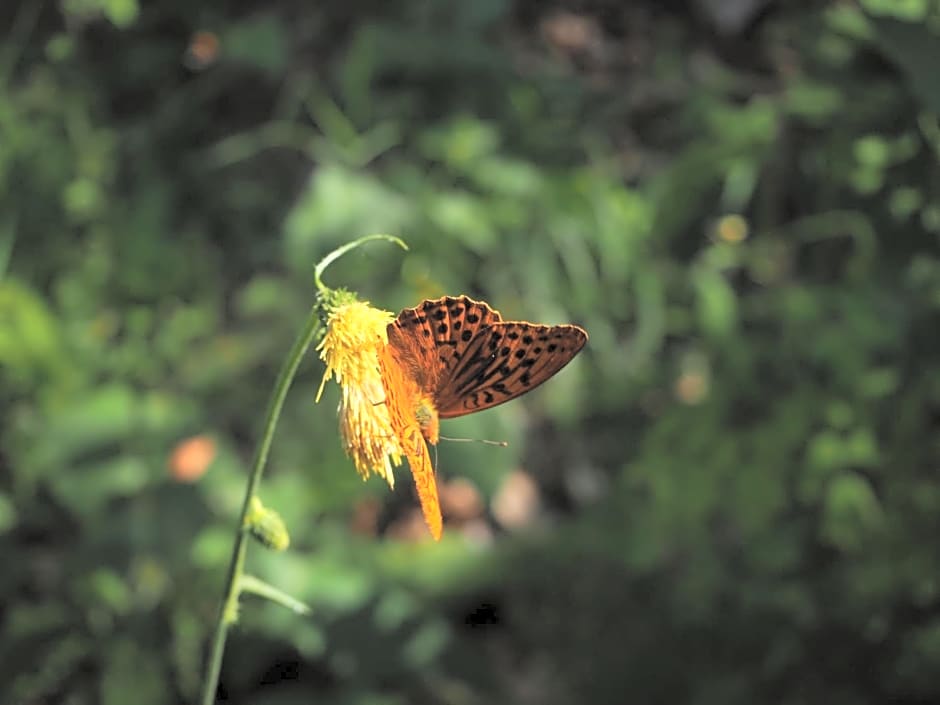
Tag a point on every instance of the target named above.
point(426, 415)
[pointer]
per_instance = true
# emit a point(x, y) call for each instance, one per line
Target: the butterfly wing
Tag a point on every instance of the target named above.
point(462, 354)
point(431, 338)
point(502, 361)
point(419, 459)
point(401, 394)
point(425, 344)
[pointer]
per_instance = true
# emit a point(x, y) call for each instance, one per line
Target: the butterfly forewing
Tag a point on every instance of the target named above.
point(440, 330)
point(502, 361)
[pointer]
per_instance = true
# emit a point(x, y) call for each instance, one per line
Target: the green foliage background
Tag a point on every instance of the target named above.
point(739, 476)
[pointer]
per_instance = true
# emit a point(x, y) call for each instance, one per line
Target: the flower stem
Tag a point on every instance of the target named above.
point(228, 610)
point(340, 251)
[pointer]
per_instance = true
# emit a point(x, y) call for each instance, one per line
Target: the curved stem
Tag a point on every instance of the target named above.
point(340, 251)
point(228, 610)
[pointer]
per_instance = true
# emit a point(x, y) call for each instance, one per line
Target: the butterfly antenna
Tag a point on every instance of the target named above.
point(501, 444)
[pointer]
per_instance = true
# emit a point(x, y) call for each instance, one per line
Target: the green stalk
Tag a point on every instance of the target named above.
point(228, 611)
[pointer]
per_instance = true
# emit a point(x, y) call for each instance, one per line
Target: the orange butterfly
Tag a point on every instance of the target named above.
point(453, 356)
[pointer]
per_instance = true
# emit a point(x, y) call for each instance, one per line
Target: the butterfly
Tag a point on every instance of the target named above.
point(453, 356)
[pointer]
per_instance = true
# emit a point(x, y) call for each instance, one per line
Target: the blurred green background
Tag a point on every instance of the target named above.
point(731, 496)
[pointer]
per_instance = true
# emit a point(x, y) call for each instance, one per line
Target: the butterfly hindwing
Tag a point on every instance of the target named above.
point(503, 361)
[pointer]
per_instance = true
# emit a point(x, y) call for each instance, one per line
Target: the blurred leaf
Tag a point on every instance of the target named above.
point(338, 201)
point(462, 143)
point(106, 415)
point(188, 651)
point(260, 41)
point(909, 10)
point(913, 46)
point(395, 607)
point(108, 589)
point(827, 451)
point(852, 510)
point(31, 347)
point(87, 488)
point(463, 217)
point(263, 295)
point(338, 585)
point(815, 102)
point(128, 670)
point(426, 644)
point(849, 20)
point(35, 677)
point(122, 13)
point(212, 546)
point(8, 514)
point(507, 178)
point(716, 302)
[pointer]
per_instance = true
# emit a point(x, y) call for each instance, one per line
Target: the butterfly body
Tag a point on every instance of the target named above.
point(453, 356)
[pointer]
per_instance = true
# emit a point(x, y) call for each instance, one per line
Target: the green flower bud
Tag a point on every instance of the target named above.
point(267, 526)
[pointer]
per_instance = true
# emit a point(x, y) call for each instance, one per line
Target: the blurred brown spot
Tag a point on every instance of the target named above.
point(517, 502)
point(202, 51)
point(191, 458)
point(569, 32)
point(409, 528)
point(691, 387)
point(461, 500)
point(477, 532)
point(365, 518)
point(732, 229)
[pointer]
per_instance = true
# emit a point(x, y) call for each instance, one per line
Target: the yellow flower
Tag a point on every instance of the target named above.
point(355, 336)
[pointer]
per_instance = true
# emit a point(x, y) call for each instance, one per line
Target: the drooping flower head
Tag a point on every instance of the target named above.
point(355, 337)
